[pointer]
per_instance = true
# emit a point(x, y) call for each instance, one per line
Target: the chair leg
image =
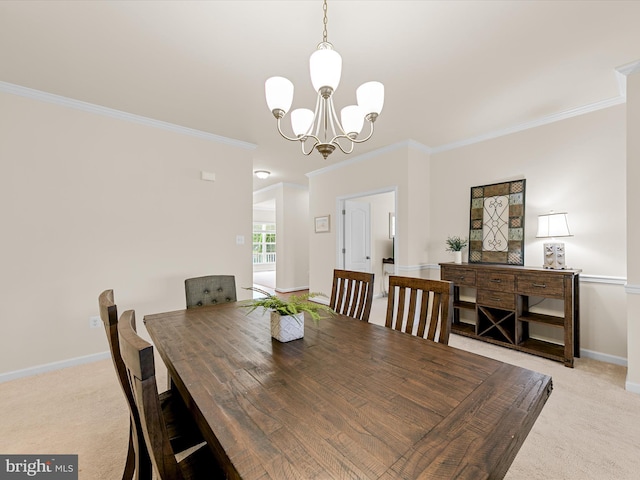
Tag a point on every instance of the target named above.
point(130, 464)
point(144, 469)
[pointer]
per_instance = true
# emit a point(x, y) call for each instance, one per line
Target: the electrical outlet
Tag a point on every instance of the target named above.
point(94, 321)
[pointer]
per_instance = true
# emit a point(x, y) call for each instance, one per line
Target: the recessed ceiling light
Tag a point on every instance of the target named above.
point(262, 174)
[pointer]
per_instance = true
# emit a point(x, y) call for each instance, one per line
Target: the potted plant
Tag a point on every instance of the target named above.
point(287, 314)
point(455, 245)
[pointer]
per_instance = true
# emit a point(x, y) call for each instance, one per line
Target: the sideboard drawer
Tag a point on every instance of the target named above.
point(465, 277)
point(541, 285)
point(503, 282)
point(497, 299)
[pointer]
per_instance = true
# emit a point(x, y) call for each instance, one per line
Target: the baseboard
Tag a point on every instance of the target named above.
point(49, 367)
point(289, 290)
point(603, 357)
point(632, 387)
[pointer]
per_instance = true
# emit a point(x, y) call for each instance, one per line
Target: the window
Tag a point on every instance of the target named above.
point(264, 243)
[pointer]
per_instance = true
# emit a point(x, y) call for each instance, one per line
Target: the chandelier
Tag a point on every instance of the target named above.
point(321, 127)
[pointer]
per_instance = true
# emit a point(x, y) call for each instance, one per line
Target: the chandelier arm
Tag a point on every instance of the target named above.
point(302, 144)
point(291, 139)
point(336, 142)
point(355, 140)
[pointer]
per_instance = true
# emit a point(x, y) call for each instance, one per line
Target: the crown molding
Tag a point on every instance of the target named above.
point(622, 72)
point(372, 154)
point(281, 185)
point(629, 68)
point(574, 112)
point(110, 112)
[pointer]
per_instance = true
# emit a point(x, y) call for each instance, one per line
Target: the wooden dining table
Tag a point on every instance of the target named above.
point(349, 400)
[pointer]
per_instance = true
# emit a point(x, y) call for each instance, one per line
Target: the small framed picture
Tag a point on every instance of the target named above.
point(323, 224)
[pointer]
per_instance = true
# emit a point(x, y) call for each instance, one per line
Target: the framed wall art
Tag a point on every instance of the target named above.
point(323, 224)
point(496, 224)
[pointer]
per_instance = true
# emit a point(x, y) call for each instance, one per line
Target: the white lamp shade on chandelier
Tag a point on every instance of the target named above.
point(301, 120)
point(279, 93)
point(322, 126)
point(325, 68)
point(370, 97)
point(352, 118)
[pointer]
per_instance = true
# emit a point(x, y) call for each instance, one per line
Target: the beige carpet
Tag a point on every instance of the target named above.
point(589, 429)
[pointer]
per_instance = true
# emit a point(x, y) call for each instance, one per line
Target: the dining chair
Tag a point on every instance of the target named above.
point(182, 430)
point(137, 355)
point(210, 290)
point(430, 302)
point(352, 293)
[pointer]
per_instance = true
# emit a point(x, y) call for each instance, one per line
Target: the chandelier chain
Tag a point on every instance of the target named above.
point(324, 21)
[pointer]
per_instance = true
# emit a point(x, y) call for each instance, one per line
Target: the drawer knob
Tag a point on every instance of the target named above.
point(541, 285)
point(495, 299)
point(496, 280)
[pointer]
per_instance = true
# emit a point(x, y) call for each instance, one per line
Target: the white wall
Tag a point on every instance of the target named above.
point(89, 202)
point(393, 168)
point(292, 234)
point(576, 165)
point(633, 230)
point(292, 225)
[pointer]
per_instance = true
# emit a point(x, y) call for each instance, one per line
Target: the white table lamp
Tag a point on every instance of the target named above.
point(552, 225)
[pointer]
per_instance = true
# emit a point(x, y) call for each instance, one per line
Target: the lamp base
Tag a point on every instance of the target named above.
point(554, 256)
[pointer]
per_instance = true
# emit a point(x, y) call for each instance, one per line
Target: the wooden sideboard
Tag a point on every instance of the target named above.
point(501, 306)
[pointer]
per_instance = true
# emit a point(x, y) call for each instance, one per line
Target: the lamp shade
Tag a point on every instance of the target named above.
point(352, 118)
point(301, 119)
point(553, 225)
point(325, 68)
point(279, 93)
point(370, 97)
point(262, 174)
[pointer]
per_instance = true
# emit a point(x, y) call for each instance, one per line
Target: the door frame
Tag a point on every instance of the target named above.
point(340, 206)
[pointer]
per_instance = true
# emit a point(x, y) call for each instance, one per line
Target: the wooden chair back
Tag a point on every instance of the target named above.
point(137, 456)
point(430, 302)
point(137, 355)
point(352, 293)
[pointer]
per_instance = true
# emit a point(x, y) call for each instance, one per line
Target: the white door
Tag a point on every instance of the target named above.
point(357, 236)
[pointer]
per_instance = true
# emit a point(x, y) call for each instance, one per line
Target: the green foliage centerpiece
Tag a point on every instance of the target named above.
point(287, 314)
point(455, 245)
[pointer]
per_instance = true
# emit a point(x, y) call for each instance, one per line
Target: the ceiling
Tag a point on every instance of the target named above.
point(452, 70)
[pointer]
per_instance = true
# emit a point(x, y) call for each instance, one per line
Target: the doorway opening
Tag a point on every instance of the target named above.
point(366, 239)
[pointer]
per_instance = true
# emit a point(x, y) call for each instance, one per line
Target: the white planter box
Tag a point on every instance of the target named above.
point(287, 328)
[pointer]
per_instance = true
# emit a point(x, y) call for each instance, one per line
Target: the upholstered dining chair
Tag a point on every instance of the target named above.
point(182, 431)
point(137, 355)
point(210, 290)
point(430, 302)
point(352, 293)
